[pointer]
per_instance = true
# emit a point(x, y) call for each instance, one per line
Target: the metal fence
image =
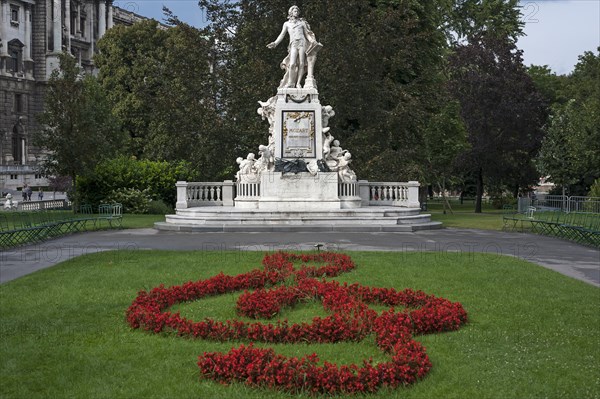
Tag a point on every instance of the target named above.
point(563, 203)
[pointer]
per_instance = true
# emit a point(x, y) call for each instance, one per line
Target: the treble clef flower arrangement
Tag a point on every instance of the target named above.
point(351, 319)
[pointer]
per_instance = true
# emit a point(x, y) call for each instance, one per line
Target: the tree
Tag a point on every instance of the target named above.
point(465, 19)
point(130, 63)
point(163, 90)
point(570, 152)
point(552, 87)
point(502, 111)
point(78, 129)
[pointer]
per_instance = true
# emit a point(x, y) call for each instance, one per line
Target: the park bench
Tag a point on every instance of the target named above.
point(582, 227)
point(112, 214)
point(18, 228)
point(511, 218)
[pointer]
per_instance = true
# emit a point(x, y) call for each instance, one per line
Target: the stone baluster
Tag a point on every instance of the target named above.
point(182, 199)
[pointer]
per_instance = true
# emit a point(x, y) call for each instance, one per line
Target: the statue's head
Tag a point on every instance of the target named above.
point(294, 11)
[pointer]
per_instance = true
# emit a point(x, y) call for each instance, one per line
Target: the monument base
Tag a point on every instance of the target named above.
point(298, 192)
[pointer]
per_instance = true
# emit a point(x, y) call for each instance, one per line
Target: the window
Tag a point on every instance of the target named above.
point(38, 176)
point(15, 53)
point(82, 26)
point(13, 62)
point(14, 15)
point(19, 103)
point(14, 177)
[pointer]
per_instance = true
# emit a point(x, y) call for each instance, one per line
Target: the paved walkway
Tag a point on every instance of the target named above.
point(582, 263)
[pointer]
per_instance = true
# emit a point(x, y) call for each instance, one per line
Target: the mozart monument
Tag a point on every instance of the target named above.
point(300, 178)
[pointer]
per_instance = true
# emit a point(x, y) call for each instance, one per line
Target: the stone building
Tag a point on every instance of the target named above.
point(32, 34)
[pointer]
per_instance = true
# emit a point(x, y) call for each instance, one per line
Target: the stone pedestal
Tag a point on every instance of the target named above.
point(298, 193)
point(297, 128)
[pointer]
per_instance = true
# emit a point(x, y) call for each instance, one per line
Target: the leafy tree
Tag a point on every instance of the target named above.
point(502, 111)
point(78, 129)
point(466, 19)
point(131, 68)
point(552, 87)
point(163, 88)
point(570, 152)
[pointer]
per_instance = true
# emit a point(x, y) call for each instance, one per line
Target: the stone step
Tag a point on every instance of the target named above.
point(371, 212)
point(260, 228)
point(296, 220)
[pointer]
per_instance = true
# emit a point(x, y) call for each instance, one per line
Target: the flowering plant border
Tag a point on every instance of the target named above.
point(351, 319)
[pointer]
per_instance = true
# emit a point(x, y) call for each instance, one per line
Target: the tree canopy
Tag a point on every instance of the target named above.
point(570, 153)
point(502, 110)
point(78, 130)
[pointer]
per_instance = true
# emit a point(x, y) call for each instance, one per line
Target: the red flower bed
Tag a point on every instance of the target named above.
point(351, 319)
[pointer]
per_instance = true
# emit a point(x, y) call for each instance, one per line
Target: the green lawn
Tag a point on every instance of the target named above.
point(464, 216)
point(532, 332)
point(131, 221)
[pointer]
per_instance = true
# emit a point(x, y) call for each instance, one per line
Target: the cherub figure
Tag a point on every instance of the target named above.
point(346, 174)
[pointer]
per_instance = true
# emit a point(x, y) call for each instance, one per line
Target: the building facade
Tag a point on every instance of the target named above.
point(32, 35)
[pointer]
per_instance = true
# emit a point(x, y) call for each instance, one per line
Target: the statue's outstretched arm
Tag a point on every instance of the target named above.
point(279, 38)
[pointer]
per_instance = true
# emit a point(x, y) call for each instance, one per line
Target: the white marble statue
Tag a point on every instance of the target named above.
point(327, 139)
point(248, 172)
point(302, 51)
point(313, 167)
point(267, 111)
point(335, 153)
point(345, 174)
point(326, 113)
point(266, 161)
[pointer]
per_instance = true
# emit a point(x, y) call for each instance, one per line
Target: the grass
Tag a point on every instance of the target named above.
point(131, 221)
point(532, 332)
point(464, 216)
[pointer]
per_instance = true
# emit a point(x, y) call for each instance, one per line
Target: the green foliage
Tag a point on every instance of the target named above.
point(133, 199)
point(499, 202)
point(159, 207)
point(502, 110)
point(470, 18)
point(570, 152)
point(163, 92)
point(78, 130)
point(158, 178)
point(551, 86)
point(595, 189)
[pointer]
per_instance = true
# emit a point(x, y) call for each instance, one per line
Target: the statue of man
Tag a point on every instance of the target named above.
point(303, 46)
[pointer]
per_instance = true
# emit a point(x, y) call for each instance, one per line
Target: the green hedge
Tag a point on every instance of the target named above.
point(155, 178)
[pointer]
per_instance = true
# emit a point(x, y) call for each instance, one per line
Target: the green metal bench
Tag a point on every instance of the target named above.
point(112, 214)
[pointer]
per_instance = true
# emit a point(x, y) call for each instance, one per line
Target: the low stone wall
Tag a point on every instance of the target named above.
point(196, 194)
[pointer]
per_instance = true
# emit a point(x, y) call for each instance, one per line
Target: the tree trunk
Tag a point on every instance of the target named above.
point(74, 200)
point(516, 191)
point(479, 194)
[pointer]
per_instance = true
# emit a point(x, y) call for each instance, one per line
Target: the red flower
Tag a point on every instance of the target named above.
point(351, 320)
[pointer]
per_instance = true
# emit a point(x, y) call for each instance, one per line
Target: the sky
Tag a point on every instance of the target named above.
point(558, 31)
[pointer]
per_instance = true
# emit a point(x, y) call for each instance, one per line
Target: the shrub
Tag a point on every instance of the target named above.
point(158, 207)
point(595, 189)
point(157, 177)
point(499, 202)
point(133, 200)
